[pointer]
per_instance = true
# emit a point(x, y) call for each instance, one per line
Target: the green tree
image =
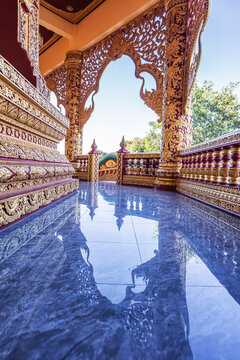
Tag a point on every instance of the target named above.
point(136, 145)
point(215, 113)
point(150, 143)
point(152, 140)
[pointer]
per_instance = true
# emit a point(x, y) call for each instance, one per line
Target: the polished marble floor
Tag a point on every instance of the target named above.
point(118, 272)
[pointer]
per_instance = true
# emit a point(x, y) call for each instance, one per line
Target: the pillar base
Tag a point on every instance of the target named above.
point(167, 175)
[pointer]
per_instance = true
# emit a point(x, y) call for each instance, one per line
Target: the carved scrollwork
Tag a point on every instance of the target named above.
point(142, 39)
point(56, 82)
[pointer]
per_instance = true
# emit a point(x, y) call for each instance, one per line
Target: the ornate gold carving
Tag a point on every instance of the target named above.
point(15, 132)
point(73, 144)
point(29, 38)
point(143, 40)
point(224, 140)
point(120, 161)
point(143, 156)
point(21, 150)
point(147, 181)
point(55, 216)
point(56, 82)
point(18, 107)
point(93, 167)
point(225, 197)
point(11, 75)
point(13, 208)
point(175, 126)
point(28, 29)
point(24, 172)
point(19, 185)
point(167, 174)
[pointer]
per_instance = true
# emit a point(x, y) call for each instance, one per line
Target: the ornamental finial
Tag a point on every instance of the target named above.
point(123, 145)
point(94, 148)
point(94, 145)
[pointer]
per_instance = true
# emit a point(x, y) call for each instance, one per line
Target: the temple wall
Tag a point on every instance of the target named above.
point(32, 172)
point(10, 48)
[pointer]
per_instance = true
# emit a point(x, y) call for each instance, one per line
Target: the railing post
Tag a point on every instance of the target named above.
point(93, 163)
point(120, 161)
point(234, 171)
point(195, 168)
point(209, 166)
point(217, 164)
point(224, 170)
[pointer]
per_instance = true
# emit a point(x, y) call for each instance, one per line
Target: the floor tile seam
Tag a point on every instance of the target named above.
point(136, 238)
point(144, 285)
point(205, 286)
point(120, 284)
point(104, 222)
point(119, 242)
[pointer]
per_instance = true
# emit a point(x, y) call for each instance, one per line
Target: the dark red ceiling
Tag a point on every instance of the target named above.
point(76, 5)
point(71, 10)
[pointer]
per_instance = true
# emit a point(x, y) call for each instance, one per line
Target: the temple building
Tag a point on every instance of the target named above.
point(69, 310)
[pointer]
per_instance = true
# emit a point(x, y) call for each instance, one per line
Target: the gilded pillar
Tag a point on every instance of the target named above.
point(176, 126)
point(73, 63)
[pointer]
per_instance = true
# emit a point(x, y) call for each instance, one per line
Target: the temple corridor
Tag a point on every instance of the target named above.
point(121, 272)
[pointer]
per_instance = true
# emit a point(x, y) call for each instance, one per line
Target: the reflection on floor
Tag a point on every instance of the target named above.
point(117, 272)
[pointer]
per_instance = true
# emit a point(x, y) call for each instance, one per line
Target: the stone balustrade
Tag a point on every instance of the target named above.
point(81, 167)
point(139, 169)
point(141, 164)
point(216, 161)
point(211, 172)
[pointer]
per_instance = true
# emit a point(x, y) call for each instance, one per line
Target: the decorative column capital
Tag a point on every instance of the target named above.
point(73, 57)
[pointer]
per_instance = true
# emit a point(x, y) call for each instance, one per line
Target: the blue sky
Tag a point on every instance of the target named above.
point(118, 107)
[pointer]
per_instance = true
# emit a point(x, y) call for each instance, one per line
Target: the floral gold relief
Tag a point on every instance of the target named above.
point(12, 209)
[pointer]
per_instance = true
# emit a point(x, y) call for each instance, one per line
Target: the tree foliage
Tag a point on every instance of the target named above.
point(150, 143)
point(215, 113)
point(136, 145)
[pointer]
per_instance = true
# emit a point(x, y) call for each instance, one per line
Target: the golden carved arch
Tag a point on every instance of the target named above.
point(142, 39)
